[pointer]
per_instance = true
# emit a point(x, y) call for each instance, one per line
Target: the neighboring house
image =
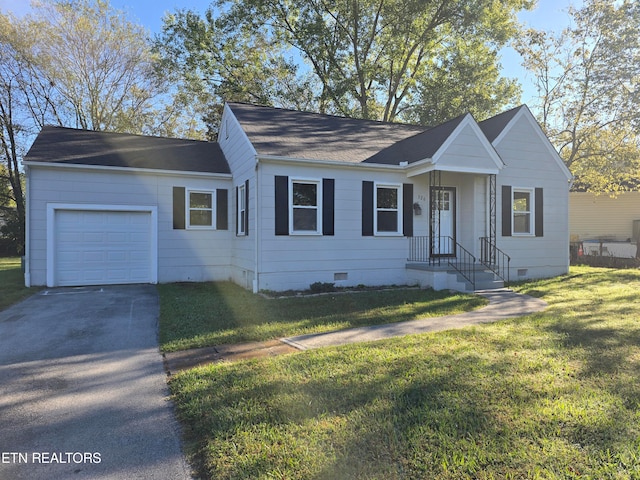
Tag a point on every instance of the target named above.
point(605, 225)
point(285, 199)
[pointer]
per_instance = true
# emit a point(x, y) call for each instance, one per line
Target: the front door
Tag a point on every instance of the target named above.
point(443, 221)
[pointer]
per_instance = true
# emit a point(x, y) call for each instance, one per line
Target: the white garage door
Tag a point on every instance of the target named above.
point(102, 247)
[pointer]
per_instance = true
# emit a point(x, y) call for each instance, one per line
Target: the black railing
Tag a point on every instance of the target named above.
point(495, 259)
point(464, 263)
point(418, 249)
point(421, 250)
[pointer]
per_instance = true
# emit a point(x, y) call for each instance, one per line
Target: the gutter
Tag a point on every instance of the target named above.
point(148, 171)
point(328, 163)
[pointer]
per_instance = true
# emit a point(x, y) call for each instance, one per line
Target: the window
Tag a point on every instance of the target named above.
point(200, 213)
point(304, 207)
point(305, 204)
point(522, 211)
point(242, 209)
point(194, 209)
point(387, 209)
point(442, 200)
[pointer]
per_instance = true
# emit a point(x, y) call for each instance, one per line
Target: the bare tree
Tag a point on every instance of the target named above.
point(588, 80)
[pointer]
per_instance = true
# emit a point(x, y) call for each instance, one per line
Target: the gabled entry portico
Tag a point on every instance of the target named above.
point(459, 185)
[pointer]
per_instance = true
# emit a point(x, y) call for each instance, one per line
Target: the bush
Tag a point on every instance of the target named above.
point(322, 287)
point(605, 261)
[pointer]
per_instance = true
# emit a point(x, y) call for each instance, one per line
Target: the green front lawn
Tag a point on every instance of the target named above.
point(202, 314)
point(12, 287)
point(555, 395)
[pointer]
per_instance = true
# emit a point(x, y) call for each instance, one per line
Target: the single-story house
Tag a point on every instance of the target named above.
point(285, 199)
point(605, 225)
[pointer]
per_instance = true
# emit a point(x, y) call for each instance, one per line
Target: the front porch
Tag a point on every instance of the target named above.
point(458, 269)
point(454, 245)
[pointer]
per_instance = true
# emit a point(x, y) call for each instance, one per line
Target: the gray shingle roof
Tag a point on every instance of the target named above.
point(418, 147)
point(85, 147)
point(492, 127)
point(293, 134)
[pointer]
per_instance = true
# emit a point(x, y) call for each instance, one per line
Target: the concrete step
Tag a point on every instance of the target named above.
point(484, 280)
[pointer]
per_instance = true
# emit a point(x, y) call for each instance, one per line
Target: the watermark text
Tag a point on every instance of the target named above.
point(50, 457)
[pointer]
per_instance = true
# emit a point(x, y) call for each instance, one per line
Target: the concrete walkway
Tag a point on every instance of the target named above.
point(503, 304)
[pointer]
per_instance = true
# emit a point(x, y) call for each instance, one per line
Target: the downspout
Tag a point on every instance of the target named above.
point(27, 236)
point(256, 274)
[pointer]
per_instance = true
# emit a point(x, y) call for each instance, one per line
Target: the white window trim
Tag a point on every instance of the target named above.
point(531, 212)
point(188, 209)
point(241, 207)
point(398, 187)
point(318, 207)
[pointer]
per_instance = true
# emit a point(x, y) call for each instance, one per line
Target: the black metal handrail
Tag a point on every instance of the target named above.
point(464, 263)
point(458, 257)
point(418, 249)
point(495, 259)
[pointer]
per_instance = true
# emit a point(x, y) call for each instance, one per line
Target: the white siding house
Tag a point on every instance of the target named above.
point(285, 199)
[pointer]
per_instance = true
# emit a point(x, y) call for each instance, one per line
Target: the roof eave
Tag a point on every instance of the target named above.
point(327, 163)
point(151, 171)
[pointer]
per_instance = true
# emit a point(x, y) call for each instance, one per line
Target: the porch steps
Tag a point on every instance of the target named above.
point(441, 277)
point(485, 280)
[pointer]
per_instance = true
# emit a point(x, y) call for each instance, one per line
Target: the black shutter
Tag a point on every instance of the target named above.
point(282, 205)
point(506, 211)
point(222, 209)
point(407, 209)
point(539, 213)
point(328, 206)
point(246, 207)
point(179, 208)
point(367, 209)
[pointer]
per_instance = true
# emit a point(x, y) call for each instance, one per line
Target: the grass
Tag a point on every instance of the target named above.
point(201, 314)
point(554, 395)
point(12, 282)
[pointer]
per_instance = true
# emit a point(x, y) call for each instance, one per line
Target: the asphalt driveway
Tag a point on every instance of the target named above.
point(83, 391)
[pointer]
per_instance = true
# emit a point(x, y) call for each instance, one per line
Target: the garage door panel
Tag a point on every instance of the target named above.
point(93, 257)
point(102, 247)
point(94, 237)
point(113, 256)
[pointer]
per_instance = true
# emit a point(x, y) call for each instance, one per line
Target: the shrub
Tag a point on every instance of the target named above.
point(322, 287)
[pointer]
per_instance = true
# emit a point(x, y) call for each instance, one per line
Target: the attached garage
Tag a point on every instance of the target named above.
point(101, 245)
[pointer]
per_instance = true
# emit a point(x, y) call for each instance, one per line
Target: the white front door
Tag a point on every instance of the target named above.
point(443, 221)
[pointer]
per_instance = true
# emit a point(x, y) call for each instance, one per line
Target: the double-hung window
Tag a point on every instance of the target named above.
point(200, 209)
point(522, 211)
point(242, 209)
point(388, 206)
point(305, 207)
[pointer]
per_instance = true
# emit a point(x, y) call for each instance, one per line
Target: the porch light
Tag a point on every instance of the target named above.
point(417, 209)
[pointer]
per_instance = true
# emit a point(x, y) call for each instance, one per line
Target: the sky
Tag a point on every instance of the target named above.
point(550, 15)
